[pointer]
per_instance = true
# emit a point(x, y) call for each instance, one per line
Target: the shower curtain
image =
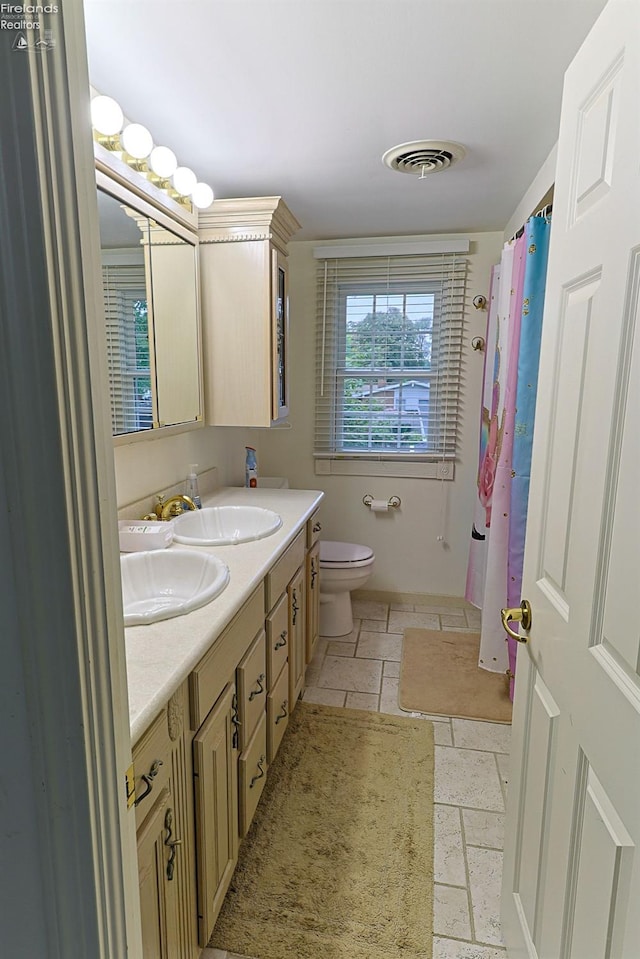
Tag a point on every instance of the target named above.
point(494, 575)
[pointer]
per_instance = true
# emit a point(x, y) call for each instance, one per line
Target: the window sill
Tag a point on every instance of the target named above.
point(420, 469)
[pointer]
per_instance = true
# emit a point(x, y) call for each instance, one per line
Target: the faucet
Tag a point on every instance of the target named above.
point(174, 506)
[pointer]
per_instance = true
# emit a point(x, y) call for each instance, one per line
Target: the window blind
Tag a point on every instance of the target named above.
point(389, 344)
point(127, 329)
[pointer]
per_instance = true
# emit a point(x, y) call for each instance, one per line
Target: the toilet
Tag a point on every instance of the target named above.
point(343, 568)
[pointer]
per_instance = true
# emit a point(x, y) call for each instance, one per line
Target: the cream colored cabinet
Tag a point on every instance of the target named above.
point(314, 528)
point(277, 712)
point(158, 897)
point(215, 762)
point(245, 310)
point(203, 763)
point(297, 634)
point(164, 824)
point(312, 563)
point(222, 711)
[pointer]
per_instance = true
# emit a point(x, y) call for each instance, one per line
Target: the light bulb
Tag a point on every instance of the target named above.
point(184, 180)
point(137, 141)
point(106, 116)
point(202, 196)
point(163, 162)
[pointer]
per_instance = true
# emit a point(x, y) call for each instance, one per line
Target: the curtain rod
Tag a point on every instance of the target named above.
point(544, 211)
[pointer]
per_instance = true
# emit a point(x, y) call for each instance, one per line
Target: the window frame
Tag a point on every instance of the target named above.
point(391, 269)
point(376, 289)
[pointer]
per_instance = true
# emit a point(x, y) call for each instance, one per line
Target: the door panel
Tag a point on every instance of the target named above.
point(571, 870)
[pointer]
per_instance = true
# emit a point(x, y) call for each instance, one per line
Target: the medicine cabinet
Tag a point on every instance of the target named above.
point(149, 252)
point(245, 310)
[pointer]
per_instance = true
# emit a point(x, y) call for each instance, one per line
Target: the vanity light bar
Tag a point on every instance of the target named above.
point(136, 144)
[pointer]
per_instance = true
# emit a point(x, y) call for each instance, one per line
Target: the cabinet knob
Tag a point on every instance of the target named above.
point(317, 527)
point(295, 607)
point(282, 641)
point(284, 713)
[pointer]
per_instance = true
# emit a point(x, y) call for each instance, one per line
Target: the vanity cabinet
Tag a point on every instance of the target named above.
point(314, 529)
point(297, 632)
point(277, 674)
point(164, 827)
point(313, 601)
point(226, 708)
point(245, 310)
point(202, 765)
point(215, 762)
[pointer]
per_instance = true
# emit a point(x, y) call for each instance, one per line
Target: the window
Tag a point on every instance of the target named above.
point(389, 355)
point(126, 317)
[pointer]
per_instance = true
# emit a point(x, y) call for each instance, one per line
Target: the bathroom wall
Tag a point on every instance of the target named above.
point(408, 556)
point(149, 465)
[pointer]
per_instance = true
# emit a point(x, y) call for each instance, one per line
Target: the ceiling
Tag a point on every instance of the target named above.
point(300, 98)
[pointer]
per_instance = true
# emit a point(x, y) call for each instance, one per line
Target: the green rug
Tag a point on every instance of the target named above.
point(338, 863)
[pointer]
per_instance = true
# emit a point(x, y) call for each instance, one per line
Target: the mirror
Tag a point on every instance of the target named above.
point(149, 274)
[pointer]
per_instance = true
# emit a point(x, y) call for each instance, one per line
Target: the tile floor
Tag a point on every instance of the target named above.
point(361, 671)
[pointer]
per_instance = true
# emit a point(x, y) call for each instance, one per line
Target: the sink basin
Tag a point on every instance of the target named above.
point(160, 584)
point(224, 525)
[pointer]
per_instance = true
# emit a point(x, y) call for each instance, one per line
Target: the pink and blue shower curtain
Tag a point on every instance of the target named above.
point(514, 325)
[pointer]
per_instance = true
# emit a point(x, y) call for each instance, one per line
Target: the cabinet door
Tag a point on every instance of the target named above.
point(297, 636)
point(215, 766)
point(157, 852)
point(313, 600)
point(164, 824)
point(253, 767)
point(252, 688)
point(280, 336)
point(277, 640)
point(277, 713)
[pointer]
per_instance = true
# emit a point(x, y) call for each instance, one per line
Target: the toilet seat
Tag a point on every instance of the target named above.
point(344, 555)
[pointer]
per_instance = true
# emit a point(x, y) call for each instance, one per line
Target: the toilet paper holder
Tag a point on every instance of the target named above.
point(394, 502)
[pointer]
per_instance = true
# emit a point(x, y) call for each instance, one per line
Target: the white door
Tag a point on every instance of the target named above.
point(571, 886)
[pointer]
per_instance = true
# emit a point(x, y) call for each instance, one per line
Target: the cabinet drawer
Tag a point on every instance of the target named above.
point(252, 767)
point(282, 571)
point(277, 712)
point(152, 765)
point(252, 688)
point(314, 528)
point(214, 670)
point(277, 640)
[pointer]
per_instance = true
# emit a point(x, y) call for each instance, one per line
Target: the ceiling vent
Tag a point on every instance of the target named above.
point(423, 156)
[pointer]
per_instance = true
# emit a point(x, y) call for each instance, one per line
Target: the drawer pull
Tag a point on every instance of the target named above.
point(317, 527)
point(294, 606)
point(235, 720)
point(282, 641)
point(148, 778)
point(284, 713)
point(314, 573)
point(260, 772)
point(171, 843)
point(260, 689)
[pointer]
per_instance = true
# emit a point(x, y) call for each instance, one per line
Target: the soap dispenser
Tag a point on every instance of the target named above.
point(251, 468)
point(192, 485)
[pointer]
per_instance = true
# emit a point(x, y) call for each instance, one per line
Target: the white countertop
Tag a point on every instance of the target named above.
point(161, 655)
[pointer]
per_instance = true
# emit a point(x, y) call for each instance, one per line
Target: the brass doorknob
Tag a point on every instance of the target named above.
point(520, 614)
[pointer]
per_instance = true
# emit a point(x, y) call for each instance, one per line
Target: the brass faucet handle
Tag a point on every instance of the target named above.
point(175, 506)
